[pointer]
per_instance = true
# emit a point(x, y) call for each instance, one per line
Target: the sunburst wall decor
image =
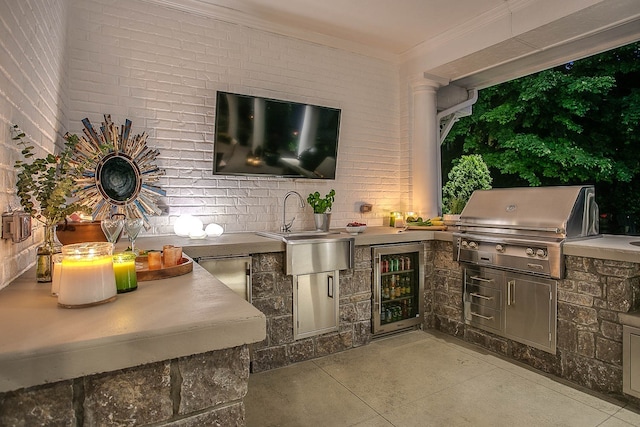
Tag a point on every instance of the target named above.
point(120, 175)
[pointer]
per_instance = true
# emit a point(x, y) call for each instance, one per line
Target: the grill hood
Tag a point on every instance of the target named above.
point(551, 212)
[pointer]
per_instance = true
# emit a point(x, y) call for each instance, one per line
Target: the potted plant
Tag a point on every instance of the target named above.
point(320, 206)
point(470, 173)
point(44, 187)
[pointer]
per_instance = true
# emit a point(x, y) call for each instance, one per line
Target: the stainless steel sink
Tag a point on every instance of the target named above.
point(309, 252)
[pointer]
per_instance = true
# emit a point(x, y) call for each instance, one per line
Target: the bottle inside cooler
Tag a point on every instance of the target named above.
point(399, 285)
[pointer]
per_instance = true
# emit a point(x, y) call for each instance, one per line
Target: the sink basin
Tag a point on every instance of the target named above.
point(310, 252)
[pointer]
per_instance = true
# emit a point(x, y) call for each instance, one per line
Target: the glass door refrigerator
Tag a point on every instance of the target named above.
point(398, 285)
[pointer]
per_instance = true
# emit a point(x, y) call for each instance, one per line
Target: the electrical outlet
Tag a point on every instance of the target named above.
point(366, 207)
point(16, 226)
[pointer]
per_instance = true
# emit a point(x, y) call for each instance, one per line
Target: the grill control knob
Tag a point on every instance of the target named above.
point(473, 245)
point(464, 244)
point(541, 253)
point(500, 248)
point(530, 252)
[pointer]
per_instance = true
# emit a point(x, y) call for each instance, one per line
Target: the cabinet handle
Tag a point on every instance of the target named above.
point(511, 293)
point(473, 294)
point(481, 316)
point(481, 279)
point(330, 286)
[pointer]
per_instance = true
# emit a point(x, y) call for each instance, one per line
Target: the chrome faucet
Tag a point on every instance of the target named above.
point(287, 227)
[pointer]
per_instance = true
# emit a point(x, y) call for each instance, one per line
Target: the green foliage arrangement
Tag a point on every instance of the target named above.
point(573, 124)
point(469, 174)
point(45, 185)
point(321, 204)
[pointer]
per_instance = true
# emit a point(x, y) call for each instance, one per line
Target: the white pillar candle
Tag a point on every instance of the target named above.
point(87, 276)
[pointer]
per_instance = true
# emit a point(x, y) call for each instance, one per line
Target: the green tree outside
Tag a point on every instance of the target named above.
point(574, 124)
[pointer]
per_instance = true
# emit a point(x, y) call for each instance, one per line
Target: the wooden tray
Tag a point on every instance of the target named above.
point(427, 227)
point(144, 274)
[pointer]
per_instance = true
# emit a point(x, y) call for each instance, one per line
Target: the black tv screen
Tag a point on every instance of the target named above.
point(261, 136)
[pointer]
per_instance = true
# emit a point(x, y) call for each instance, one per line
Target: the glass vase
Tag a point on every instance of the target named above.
point(45, 252)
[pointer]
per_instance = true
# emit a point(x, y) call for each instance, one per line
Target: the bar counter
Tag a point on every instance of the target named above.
point(163, 319)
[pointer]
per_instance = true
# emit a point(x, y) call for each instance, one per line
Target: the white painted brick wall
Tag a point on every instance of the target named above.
point(161, 68)
point(63, 60)
point(33, 94)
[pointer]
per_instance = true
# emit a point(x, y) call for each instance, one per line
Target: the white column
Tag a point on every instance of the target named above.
point(425, 149)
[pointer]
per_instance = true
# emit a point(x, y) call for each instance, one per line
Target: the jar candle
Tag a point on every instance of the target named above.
point(87, 276)
point(57, 272)
point(124, 269)
point(393, 217)
point(399, 221)
point(154, 259)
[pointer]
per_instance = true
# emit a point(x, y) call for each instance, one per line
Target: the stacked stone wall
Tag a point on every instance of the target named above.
point(272, 293)
point(203, 389)
point(589, 331)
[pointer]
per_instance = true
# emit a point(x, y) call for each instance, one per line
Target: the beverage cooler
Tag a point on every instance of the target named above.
point(398, 284)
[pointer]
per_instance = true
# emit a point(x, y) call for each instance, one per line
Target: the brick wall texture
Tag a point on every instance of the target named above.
point(66, 60)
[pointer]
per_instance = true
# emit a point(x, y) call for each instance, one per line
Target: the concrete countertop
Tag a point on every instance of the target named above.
point(246, 243)
point(611, 247)
point(606, 246)
point(170, 318)
point(163, 319)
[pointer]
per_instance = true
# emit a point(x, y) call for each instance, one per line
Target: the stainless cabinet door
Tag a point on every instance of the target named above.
point(235, 272)
point(530, 305)
point(315, 304)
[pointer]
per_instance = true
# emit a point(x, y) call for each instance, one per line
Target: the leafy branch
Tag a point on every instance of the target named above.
point(45, 185)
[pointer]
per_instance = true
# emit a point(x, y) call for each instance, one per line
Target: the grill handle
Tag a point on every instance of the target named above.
point(556, 230)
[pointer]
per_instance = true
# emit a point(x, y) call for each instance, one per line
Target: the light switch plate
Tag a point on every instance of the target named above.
point(16, 226)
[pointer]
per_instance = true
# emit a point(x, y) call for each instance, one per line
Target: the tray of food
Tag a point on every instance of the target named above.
point(435, 224)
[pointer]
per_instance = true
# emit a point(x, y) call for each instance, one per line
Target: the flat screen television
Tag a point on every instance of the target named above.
point(268, 137)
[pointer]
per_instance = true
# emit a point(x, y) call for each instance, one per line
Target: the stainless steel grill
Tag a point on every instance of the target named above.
point(523, 229)
point(510, 244)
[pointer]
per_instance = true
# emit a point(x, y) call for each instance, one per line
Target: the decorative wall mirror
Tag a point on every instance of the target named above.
point(120, 175)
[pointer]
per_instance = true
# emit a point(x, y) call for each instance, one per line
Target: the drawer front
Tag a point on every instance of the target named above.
point(483, 317)
point(484, 296)
point(483, 277)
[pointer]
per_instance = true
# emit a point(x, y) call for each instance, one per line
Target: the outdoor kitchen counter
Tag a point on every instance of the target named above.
point(245, 243)
point(163, 319)
point(611, 247)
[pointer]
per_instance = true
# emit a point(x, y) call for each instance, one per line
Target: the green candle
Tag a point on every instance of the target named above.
point(124, 267)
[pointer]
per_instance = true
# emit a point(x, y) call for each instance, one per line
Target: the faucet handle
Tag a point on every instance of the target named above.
point(287, 227)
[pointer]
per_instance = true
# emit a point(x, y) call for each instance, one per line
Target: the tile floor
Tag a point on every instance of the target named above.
point(422, 379)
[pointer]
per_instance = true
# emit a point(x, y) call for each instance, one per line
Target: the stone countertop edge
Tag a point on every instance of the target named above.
point(608, 247)
point(165, 319)
point(161, 320)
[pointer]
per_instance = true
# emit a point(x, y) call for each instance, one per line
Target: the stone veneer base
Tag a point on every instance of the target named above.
point(203, 389)
point(589, 339)
point(272, 293)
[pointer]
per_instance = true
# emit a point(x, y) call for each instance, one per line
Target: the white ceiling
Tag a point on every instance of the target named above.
point(392, 26)
point(472, 43)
